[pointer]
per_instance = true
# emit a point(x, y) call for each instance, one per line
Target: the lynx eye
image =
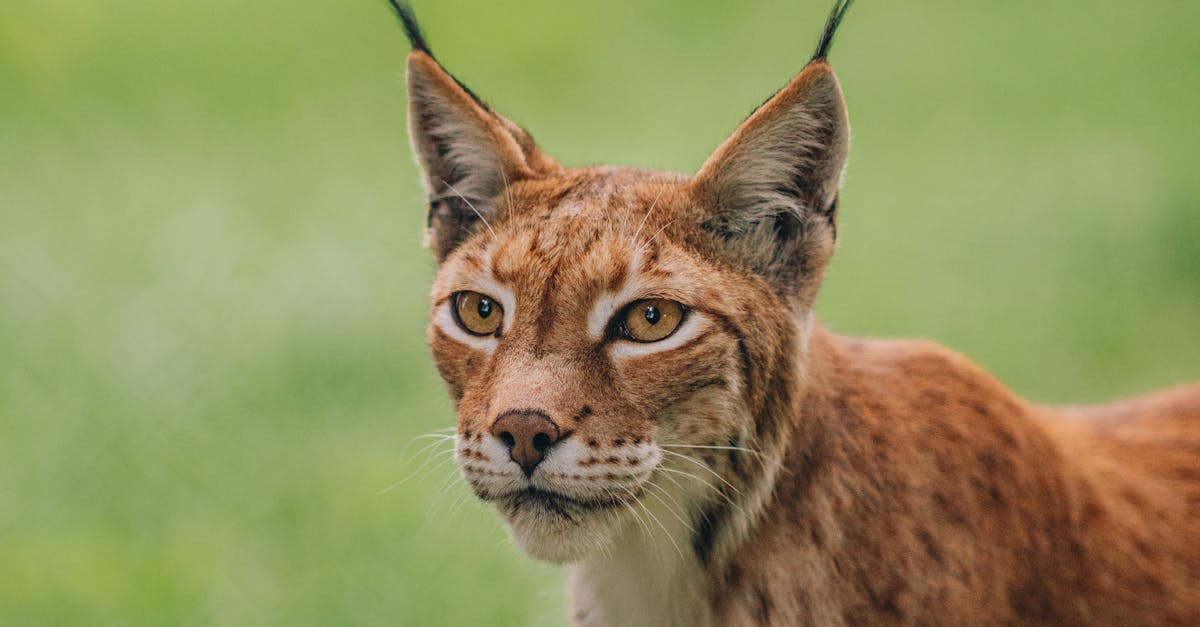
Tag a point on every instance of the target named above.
point(651, 320)
point(477, 314)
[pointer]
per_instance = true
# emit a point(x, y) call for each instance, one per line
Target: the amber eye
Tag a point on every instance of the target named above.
point(651, 320)
point(477, 313)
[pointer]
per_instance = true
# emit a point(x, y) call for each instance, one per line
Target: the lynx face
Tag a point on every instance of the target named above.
point(608, 351)
point(610, 337)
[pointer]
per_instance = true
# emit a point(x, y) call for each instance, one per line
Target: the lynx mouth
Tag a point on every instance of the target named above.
point(537, 499)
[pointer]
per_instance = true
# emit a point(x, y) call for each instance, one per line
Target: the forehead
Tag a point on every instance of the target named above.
point(602, 195)
point(590, 232)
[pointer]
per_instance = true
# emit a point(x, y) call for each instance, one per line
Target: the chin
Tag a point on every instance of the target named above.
point(556, 529)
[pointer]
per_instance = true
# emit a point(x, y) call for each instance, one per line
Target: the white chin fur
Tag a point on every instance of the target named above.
point(552, 538)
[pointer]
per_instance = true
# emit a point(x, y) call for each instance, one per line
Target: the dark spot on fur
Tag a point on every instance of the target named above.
point(1187, 473)
point(734, 444)
point(733, 576)
point(931, 548)
point(815, 534)
point(1133, 498)
point(1147, 551)
point(934, 398)
point(762, 606)
point(706, 532)
point(1094, 512)
point(950, 509)
point(618, 442)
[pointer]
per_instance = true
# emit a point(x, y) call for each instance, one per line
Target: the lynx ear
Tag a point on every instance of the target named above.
point(468, 153)
point(771, 188)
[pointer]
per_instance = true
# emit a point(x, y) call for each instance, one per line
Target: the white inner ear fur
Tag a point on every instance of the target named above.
point(694, 323)
point(471, 165)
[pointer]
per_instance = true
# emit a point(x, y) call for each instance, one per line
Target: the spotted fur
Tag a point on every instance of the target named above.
point(752, 468)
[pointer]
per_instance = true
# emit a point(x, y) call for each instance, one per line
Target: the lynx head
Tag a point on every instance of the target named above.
point(611, 337)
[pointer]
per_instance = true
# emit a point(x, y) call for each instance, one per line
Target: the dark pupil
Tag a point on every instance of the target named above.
point(653, 315)
point(484, 308)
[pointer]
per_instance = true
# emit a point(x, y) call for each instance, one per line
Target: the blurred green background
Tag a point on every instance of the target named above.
point(212, 295)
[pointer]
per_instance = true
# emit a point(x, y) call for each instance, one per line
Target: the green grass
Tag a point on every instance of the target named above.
point(212, 291)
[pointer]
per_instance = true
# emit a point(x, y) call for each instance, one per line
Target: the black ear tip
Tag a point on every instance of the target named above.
point(411, 28)
point(840, 8)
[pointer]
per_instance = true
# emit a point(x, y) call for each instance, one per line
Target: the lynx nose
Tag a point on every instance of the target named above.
point(528, 436)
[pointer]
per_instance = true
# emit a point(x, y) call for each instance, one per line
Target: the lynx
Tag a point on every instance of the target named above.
point(642, 393)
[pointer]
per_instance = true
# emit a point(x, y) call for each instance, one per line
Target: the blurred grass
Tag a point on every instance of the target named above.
point(212, 294)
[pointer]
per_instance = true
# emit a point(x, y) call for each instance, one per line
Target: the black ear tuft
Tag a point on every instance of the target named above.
point(411, 27)
point(831, 25)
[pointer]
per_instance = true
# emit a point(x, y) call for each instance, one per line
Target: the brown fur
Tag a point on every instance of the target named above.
point(755, 469)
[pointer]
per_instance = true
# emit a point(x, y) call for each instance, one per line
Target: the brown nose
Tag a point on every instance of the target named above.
point(528, 435)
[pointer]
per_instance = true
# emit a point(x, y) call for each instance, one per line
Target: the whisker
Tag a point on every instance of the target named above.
point(507, 189)
point(464, 497)
point(464, 198)
point(706, 468)
point(654, 518)
point(424, 436)
point(715, 488)
point(436, 468)
point(652, 237)
point(633, 240)
point(719, 448)
point(447, 485)
point(440, 441)
point(423, 466)
point(667, 506)
point(430, 436)
point(629, 506)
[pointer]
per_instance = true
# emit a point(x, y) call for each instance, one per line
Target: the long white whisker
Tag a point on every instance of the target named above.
point(633, 240)
point(718, 448)
point(628, 505)
point(438, 467)
point(423, 436)
point(423, 466)
point(460, 501)
point(651, 240)
point(712, 486)
point(429, 447)
point(507, 190)
point(658, 522)
point(706, 468)
point(441, 437)
point(447, 484)
point(666, 505)
point(464, 198)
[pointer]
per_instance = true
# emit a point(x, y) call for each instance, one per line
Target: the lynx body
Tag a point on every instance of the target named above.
point(643, 394)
